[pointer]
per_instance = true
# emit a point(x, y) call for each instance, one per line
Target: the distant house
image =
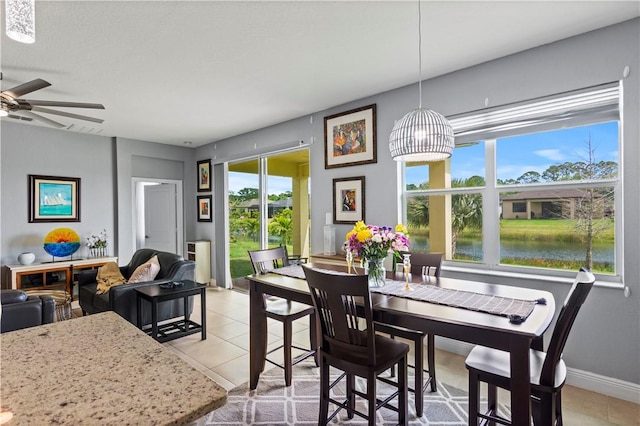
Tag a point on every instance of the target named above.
point(274, 207)
point(545, 204)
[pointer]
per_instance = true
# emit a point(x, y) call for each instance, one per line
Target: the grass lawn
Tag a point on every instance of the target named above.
point(239, 257)
point(549, 230)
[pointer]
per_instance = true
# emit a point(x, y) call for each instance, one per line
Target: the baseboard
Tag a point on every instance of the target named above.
point(605, 385)
point(582, 379)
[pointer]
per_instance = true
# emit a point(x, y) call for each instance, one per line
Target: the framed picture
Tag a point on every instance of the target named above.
point(54, 199)
point(204, 175)
point(204, 208)
point(350, 138)
point(348, 200)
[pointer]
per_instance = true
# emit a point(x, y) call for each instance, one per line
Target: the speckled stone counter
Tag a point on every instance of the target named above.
point(99, 369)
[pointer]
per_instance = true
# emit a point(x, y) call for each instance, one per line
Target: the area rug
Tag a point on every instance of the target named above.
point(276, 405)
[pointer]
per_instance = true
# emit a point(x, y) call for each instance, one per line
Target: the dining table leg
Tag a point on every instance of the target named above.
point(257, 334)
point(520, 380)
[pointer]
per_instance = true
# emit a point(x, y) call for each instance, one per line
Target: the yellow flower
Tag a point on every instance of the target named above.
point(360, 226)
point(349, 234)
point(364, 235)
point(402, 229)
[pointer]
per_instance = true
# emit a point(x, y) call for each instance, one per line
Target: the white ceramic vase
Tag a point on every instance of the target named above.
point(26, 258)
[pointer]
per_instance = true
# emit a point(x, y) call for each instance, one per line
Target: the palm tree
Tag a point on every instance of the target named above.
point(282, 225)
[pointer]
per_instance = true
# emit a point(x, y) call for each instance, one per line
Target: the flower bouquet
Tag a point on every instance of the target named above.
point(372, 244)
point(97, 244)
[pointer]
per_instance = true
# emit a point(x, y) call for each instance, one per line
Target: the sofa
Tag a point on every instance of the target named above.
point(122, 298)
point(20, 310)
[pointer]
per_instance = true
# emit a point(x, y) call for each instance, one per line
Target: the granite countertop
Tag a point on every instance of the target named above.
point(99, 369)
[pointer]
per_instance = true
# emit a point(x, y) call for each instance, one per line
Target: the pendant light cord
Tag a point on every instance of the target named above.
point(419, 55)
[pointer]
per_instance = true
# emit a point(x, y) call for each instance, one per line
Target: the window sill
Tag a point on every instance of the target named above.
point(613, 282)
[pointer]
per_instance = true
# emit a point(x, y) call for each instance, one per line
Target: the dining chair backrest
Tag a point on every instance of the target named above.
point(572, 304)
point(425, 264)
point(268, 259)
point(337, 299)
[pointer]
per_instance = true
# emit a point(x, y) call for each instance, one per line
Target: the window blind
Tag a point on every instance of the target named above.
point(586, 106)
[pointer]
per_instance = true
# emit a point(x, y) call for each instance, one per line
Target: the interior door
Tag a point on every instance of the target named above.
point(160, 217)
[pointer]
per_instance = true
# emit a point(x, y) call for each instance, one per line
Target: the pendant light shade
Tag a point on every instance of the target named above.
point(421, 135)
point(21, 20)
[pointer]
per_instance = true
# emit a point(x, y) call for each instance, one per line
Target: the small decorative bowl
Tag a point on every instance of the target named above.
point(26, 258)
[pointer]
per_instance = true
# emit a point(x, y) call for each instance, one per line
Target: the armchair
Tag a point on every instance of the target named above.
point(20, 310)
point(122, 298)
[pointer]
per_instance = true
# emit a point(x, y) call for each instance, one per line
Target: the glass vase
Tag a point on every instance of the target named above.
point(376, 271)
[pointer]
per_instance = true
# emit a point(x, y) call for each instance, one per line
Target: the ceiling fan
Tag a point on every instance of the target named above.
point(11, 102)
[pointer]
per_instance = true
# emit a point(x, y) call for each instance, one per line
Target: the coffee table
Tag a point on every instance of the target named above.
point(177, 328)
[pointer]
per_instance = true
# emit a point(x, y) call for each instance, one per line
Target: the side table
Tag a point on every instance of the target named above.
point(180, 327)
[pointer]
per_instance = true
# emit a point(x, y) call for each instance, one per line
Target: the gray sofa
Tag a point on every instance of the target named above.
point(122, 298)
point(20, 310)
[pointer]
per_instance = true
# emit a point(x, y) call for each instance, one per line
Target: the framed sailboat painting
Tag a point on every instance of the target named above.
point(54, 199)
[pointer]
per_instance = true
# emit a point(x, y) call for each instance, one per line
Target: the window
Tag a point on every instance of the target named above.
point(532, 185)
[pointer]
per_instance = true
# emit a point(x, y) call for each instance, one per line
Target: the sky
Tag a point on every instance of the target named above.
point(533, 152)
point(275, 186)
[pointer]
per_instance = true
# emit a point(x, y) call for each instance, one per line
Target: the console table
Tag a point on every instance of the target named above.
point(16, 276)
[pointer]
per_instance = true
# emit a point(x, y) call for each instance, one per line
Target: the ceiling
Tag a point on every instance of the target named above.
point(202, 71)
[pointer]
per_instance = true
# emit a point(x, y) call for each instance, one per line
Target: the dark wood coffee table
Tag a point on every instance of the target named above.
point(180, 327)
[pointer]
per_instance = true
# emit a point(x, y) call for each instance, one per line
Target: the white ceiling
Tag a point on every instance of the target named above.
point(201, 71)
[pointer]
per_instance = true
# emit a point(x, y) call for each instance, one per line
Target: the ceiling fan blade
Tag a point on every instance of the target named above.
point(65, 104)
point(43, 119)
point(23, 89)
point(66, 114)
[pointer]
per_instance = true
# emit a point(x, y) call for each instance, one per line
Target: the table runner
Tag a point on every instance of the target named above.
point(495, 305)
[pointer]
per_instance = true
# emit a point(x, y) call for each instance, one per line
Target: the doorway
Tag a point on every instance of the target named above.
point(158, 215)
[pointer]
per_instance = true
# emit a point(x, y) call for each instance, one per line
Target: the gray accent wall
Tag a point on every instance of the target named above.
point(606, 337)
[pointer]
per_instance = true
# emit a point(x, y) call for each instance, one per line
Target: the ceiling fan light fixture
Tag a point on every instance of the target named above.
point(422, 135)
point(21, 20)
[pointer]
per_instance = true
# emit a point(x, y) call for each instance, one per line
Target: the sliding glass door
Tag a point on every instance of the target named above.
point(268, 207)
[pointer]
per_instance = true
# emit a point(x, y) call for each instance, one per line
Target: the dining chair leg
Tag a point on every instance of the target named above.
point(558, 409)
point(474, 398)
point(351, 397)
point(288, 363)
point(393, 367)
point(431, 361)
point(403, 393)
point(419, 376)
point(324, 392)
point(547, 409)
point(492, 401)
point(371, 398)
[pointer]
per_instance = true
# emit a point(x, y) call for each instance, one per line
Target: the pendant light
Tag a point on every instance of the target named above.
point(21, 20)
point(422, 135)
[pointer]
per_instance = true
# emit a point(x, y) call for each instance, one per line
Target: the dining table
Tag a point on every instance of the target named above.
point(406, 310)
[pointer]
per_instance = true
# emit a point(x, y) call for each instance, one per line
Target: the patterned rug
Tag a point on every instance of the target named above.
point(276, 405)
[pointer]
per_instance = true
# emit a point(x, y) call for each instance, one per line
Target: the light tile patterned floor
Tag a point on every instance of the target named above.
point(224, 357)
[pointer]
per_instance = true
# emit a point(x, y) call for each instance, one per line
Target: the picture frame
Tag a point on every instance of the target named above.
point(204, 175)
point(53, 199)
point(350, 138)
point(348, 200)
point(204, 208)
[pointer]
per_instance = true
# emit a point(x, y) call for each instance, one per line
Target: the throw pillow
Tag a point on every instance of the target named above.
point(146, 272)
point(108, 276)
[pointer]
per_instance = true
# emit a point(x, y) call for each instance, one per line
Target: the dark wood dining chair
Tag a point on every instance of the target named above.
point(349, 343)
point(425, 264)
point(284, 311)
point(548, 370)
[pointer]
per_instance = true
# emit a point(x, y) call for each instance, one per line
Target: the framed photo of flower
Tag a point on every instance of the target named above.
point(350, 138)
point(204, 175)
point(54, 199)
point(204, 208)
point(348, 200)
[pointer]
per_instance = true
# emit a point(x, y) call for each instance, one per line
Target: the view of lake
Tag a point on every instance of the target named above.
point(525, 250)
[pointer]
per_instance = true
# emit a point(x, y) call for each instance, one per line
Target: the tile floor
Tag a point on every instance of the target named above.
point(224, 357)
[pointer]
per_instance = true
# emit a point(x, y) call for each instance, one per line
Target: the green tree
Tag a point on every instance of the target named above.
point(282, 225)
